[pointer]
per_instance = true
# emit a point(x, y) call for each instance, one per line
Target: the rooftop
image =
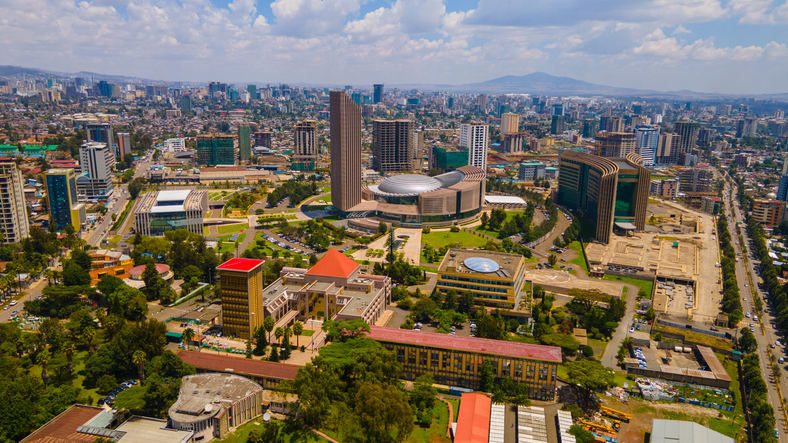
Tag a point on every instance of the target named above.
point(176, 195)
point(455, 261)
point(676, 431)
point(241, 264)
point(473, 421)
point(334, 264)
point(63, 428)
point(204, 395)
point(237, 365)
point(469, 344)
point(151, 430)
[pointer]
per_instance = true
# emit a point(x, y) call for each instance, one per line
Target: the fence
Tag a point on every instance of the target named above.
point(540, 239)
point(705, 404)
point(702, 331)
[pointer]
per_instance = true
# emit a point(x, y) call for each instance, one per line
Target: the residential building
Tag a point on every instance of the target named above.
point(689, 135)
point(14, 224)
point(215, 150)
point(610, 191)
point(242, 296)
point(590, 127)
point(668, 188)
point(96, 161)
point(124, 143)
point(457, 360)
point(393, 145)
point(345, 151)
point(64, 206)
point(495, 278)
point(747, 127)
point(616, 144)
point(305, 147)
point(377, 95)
point(510, 123)
point(475, 138)
point(743, 160)
point(244, 143)
point(447, 159)
point(528, 171)
point(677, 431)
point(667, 152)
point(611, 124)
point(557, 124)
point(160, 211)
point(768, 212)
point(109, 262)
point(513, 143)
point(646, 142)
point(698, 179)
point(710, 205)
point(263, 138)
point(100, 133)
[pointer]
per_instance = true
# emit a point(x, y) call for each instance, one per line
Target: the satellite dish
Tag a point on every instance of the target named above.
point(267, 417)
point(208, 408)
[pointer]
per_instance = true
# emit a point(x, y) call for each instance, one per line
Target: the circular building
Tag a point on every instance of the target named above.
point(413, 200)
point(135, 273)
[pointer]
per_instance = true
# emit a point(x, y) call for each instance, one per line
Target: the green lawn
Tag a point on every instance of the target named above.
point(226, 229)
point(494, 234)
point(433, 434)
point(292, 433)
point(227, 245)
point(442, 238)
point(645, 285)
point(455, 404)
point(206, 231)
point(580, 259)
point(115, 239)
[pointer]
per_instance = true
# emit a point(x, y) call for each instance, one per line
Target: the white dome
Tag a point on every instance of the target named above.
point(409, 184)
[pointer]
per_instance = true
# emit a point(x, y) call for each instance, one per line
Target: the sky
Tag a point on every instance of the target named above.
point(733, 46)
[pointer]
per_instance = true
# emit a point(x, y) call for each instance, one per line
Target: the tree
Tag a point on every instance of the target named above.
point(345, 330)
point(382, 228)
point(249, 348)
point(68, 349)
point(135, 187)
point(274, 356)
point(88, 335)
point(465, 302)
point(383, 412)
point(484, 220)
point(747, 341)
point(109, 284)
point(424, 393)
point(487, 376)
point(74, 275)
point(269, 324)
point(651, 314)
point(587, 377)
point(260, 340)
point(43, 359)
point(139, 359)
point(566, 342)
point(450, 302)
point(278, 333)
point(188, 336)
point(552, 259)
point(81, 258)
point(298, 328)
point(581, 435)
point(498, 397)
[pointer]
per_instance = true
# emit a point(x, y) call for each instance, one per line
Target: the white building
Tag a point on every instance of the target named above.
point(647, 138)
point(162, 211)
point(175, 145)
point(96, 161)
point(510, 123)
point(474, 136)
point(13, 216)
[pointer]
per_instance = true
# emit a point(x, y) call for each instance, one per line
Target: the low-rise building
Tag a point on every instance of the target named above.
point(268, 374)
point(161, 211)
point(768, 212)
point(108, 262)
point(529, 171)
point(495, 278)
point(711, 205)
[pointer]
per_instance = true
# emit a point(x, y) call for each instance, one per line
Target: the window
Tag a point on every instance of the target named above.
point(542, 373)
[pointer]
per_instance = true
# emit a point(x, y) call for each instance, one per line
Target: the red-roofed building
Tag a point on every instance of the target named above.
point(267, 374)
point(334, 264)
point(242, 296)
point(241, 264)
point(473, 421)
point(457, 360)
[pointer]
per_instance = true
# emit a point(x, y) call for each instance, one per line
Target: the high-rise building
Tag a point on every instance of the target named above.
point(244, 142)
point(769, 213)
point(558, 110)
point(615, 144)
point(215, 150)
point(124, 143)
point(356, 96)
point(185, 103)
point(590, 127)
point(510, 123)
point(667, 152)
point(305, 147)
point(647, 138)
point(557, 125)
point(474, 136)
point(378, 94)
point(345, 151)
point(611, 124)
point(252, 90)
point(446, 160)
point(101, 133)
point(481, 103)
point(689, 135)
point(106, 89)
point(96, 161)
point(392, 145)
point(13, 213)
point(698, 179)
point(782, 189)
point(513, 143)
point(243, 304)
point(263, 138)
point(64, 207)
point(610, 191)
point(747, 127)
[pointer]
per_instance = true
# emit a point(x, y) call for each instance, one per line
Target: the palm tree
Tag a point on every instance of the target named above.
point(101, 314)
point(188, 335)
point(298, 328)
point(552, 259)
point(87, 337)
point(49, 275)
point(278, 334)
point(139, 359)
point(269, 324)
point(68, 349)
point(43, 359)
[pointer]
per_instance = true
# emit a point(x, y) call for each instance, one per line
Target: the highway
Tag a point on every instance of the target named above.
point(769, 335)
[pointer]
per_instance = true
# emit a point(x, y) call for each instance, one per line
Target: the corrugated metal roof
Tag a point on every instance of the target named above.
point(473, 421)
point(676, 431)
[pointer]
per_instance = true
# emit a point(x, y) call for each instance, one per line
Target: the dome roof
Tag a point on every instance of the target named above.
point(409, 184)
point(481, 264)
point(771, 195)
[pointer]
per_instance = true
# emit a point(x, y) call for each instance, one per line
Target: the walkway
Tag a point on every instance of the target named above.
point(451, 415)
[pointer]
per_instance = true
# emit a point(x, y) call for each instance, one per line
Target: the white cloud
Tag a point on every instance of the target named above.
point(681, 30)
point(752, 12)
point(657, 44)
point(310, 18)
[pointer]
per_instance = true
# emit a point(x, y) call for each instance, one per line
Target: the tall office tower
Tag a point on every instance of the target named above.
point(747, 127)
point(124, 143)
point(727, 109)
point(481, 103)
point(647, 138)
point(698, 179)
point(244, 143)
point(305, 148)
point(106, 89)
point(558, 109)
point(590, 127)
point(100, 133)
point(474, 136)
point(13, 212)
point(64, 206)
point(779, 114)
point(615, 144)
point(667, 152)
point(614, 124)
point(185, 103)
point(378, 94)
point(356, 98)
point(510, 123)
point(252, 90)
point(263, 138)
point(451, 103)
point(611, 192)
point(243, 305)
point(393, 145)
point(513, 143)
point(215, 150)
point(689, 135)
point(96, 161)
point(782, 190)
point(345, 151)
point(557, 125)
point(637, 109)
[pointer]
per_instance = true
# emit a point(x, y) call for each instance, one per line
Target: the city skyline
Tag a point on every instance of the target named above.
point(734, 47)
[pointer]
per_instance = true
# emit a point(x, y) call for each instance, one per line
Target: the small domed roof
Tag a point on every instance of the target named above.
point(409, 184)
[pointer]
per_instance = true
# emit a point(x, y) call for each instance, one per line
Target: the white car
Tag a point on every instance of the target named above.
point(631, 330)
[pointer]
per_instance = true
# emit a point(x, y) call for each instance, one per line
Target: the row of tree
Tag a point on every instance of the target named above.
point(731, 299)
point(756, 392)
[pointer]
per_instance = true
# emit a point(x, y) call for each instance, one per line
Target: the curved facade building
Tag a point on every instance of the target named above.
point(413, 200)
point(607, 190)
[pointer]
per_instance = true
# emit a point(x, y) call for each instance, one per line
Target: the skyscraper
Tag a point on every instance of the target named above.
point(244, 143)
point(124, 143)
point(242, 296)
point(215, 150)
point(689, 135)
point(263, 138)
point(747, 127)
point(513, 143)
point(590, 127)
point(96, 160)
point(667, 152)
point(378, 94)
point(615, 144)
point(64, 207)
point(647, 138)
point(557, 125)
point(474, 136)
point(13, 213)
point(305, 150)
point(185, 103)
point(393, 145)
point(345, 151)
point(510, 123)
point(101, 133)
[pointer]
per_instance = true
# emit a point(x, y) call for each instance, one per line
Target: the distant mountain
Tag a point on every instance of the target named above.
point(541, 83)
point(18, 71)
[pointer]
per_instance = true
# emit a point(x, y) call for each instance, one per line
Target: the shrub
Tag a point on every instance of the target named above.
point(455, 229)
point(425, 230)
point(405, 304)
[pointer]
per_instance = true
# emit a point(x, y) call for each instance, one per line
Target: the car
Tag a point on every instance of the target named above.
point(745, 298)
point(713, 328)
point(772, 346)
point(781, 360)
point(752, 329)
point(631, 330)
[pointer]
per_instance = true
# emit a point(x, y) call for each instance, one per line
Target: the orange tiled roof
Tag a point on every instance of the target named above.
point(334, 264)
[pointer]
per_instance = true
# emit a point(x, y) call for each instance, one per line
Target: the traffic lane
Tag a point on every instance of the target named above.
point(34, 291)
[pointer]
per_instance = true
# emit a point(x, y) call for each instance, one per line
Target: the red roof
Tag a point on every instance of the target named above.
point(161, 268)
point(470, 344)
point(63, 428)
point(334, 264)
point(238, 365)
point(241, 264)
point(473, 422)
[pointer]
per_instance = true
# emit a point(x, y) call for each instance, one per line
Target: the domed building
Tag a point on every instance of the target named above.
point(413, 200)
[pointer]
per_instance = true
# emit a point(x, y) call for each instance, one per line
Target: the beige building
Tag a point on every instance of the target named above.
point(616, 144)
point(242, 296)
point(345, 151)
point(14, 224)
point(393, 145)
point(768, 212)
point(495, 278)
point(510, 123)
point(305, 148)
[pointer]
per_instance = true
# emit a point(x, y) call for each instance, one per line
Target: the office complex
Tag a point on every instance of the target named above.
point(557, 125)
point(607, 190)
point(768, 212)
point(513, 143)
point(528, 171)
point(646, 141)
point(496, 279)
point(474, 137)
point(124, 143)
point(667, 152)
point(377, 96)
point(64, 207)
point(242, 296)
point(615, 144)
point(689, 135)
point(393, 147)
point(457, 360)
point(100, 133)
point(263, 138)
point(590, 127)
point(510, 123)
point(305, 147)
point(244, 143)
point(215, 150)
point(747, 127)
point(160, 211)
point(13, 218)
point(96, 161)
point(345, 151)
point(447, 159)
point(698, 179)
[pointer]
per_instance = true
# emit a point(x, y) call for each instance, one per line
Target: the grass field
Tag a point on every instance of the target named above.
point(115, 239)
point(229, 246)
point(494, 234)
point(206, 231)
point(226, 229)
point(645, 285)
point(580, 259)
point(455, 404)
point(443, 238)
point(292, 433)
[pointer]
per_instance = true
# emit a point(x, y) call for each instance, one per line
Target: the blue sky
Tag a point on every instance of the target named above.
point(731, 46)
